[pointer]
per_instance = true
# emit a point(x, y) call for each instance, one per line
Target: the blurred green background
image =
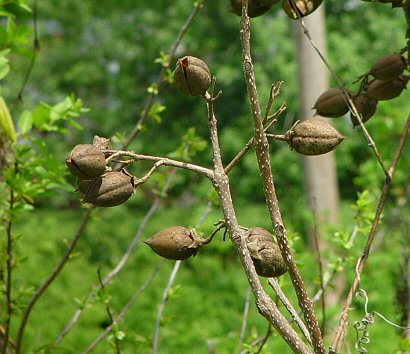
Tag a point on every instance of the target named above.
point(104, 52)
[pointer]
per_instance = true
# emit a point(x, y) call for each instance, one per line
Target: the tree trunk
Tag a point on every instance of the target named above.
point(319, 171)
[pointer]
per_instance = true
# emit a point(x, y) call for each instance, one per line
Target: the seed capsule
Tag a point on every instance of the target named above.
point(388, 67)
point(192, 76)
point(83, 185)
point(265, 253)
point(173, 243)
point(86, 161)
point(382, 90)
point(110, 189)
point(365, 106)
point(331, 103)
point(300, 8)
point(255, 7)
point(313, 137)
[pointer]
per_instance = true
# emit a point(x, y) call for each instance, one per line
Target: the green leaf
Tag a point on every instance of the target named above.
point(153, 89)
point(26, 121)
point(6, 122)
point(163, 59)
point(4, 64)
point(120, 335)
point(155, 112)
point(25, 7)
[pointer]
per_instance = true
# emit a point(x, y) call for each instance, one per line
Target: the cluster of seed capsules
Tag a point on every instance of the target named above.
point(96, 181)
point(180, 243)
point(295, 9)
point(385, 80)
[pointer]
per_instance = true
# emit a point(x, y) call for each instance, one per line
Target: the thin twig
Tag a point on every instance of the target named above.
point(36, 49)
point(244, 317)
point(320, 265)
point(151, 99)
point(111, 275)
point(270, 120)
point(260, 340)
point(161, 161)
point(263, 157)
point(50, 279)
point(125, 309)
point(109, 313)
point(273, 282)
point(264, 339)
point(9, 265)
point(273, 93)
point(327, 281)
point(362, 260)
point(162, 305)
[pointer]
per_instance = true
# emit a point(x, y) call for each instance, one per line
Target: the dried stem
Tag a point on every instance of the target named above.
point(273, 282)
point(111, 275)
point(151, 99)
point(125, 309)
point(162, 305)
point(50, 279)
point(9, 265)
point(262, 154)
point(245, 317)
point(362, 261)
point(265, 304)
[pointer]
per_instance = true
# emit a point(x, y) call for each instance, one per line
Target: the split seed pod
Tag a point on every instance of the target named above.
point(300, 8)
point(365, 106)
point(110, 189)
point(255, 7)
point(331, 103)
point(313, 137)
point(86, 161)
point(382, 90)
point(173, 243)
point(388, 67)
point(265, 253)
point(192, 76)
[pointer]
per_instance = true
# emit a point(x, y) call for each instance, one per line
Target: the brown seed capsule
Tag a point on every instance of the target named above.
point(83, 185)
point(382, 90)
point(388, 67)
point(110, 189)
point(313, 137)
point(331, 103)
point(101, 142)
point(192, 76)
point(300, 8)
point(255, 7)
point(365, 106)
point(86, 161)
point(265, 253)
point(173, 243)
